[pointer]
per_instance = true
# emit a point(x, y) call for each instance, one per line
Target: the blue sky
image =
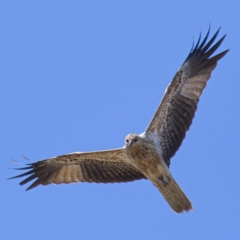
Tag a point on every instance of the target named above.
point(80, 76)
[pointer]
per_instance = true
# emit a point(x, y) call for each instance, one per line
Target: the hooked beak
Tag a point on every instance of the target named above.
point(130, 143)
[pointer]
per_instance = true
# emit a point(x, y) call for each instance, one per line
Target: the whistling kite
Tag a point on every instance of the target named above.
point(144, 156)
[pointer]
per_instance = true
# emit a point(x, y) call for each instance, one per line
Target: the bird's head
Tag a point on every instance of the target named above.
point(132, 139)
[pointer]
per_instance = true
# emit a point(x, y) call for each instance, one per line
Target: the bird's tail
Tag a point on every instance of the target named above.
point(174, 195)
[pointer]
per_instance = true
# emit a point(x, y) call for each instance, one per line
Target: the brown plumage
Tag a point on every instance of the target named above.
point(144, 156)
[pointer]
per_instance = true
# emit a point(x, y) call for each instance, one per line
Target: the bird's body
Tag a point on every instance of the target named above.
point(144, 156)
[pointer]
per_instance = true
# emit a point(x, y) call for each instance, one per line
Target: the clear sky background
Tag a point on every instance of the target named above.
point(81, 75)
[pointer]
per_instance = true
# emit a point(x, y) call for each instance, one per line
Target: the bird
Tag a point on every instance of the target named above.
point(146, 155)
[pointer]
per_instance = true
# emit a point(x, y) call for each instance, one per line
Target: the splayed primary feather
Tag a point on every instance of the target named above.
point(144, 156)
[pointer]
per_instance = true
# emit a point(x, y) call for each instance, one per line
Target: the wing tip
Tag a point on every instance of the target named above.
point(203, 49)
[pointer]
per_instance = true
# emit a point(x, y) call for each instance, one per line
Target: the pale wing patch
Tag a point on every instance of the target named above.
point(76, 174)
point(193, 87)
point(59, 178)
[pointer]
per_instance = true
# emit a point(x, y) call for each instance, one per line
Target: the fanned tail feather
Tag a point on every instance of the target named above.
point(174, 195)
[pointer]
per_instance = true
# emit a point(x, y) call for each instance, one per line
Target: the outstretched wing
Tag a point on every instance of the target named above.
point(176, 111)
point(100, 167)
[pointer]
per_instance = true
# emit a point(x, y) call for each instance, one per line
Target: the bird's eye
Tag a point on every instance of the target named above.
point(127, 140)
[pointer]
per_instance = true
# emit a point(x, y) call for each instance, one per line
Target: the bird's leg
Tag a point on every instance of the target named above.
point(163, 180)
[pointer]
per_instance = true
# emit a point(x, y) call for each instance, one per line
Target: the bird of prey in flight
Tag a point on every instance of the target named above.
point(147, 155)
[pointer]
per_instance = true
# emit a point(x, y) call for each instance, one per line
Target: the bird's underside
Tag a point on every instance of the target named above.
point(144, 156)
